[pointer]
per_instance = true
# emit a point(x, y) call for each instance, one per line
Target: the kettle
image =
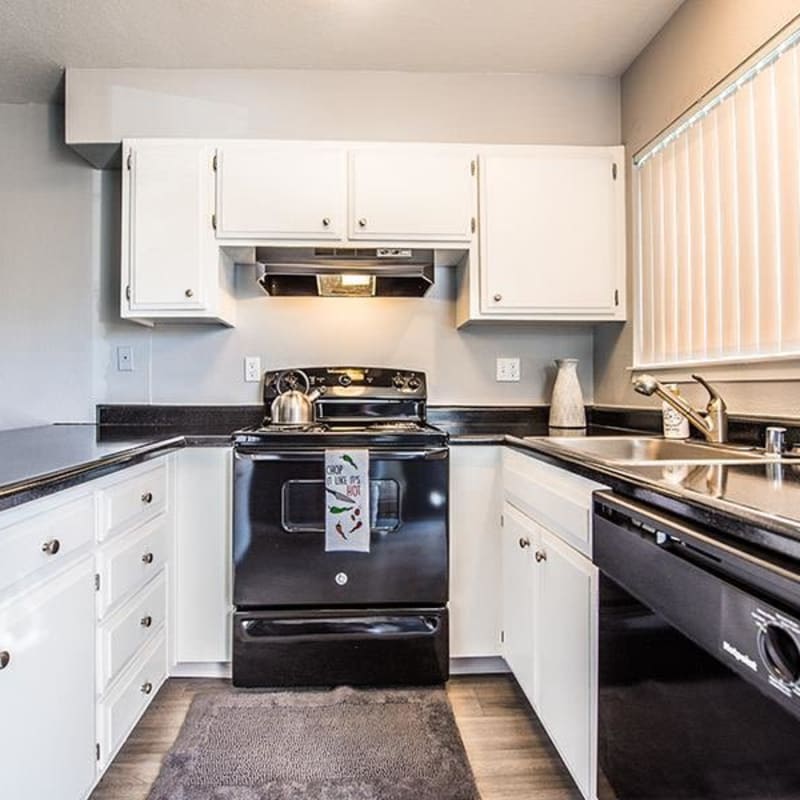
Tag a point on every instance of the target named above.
point(293, 406)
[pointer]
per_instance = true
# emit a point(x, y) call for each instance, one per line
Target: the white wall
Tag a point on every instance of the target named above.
point(51, 247)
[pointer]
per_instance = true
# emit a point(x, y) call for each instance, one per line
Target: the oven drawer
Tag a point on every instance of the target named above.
point(381, 647)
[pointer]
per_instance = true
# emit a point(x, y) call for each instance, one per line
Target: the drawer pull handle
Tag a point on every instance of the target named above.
point(523, 543)
point(326, 221)
point(146, 621)
point(147, 558)
point(5, 658)
point(147, 497)
point(540, 556)
point(362, 223)
point(51, 547)
point(147, 687)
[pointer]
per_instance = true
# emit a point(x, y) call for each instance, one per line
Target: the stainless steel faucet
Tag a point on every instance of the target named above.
point(712, 423)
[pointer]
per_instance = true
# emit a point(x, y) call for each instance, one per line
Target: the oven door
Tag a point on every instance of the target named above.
point(279, 532)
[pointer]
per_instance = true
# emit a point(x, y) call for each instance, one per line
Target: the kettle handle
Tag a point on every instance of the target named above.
point(292, 372)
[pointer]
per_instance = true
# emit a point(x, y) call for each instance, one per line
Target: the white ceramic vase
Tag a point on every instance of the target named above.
point(566, 405)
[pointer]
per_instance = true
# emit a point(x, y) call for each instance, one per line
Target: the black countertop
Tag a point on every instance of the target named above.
point(757, 502)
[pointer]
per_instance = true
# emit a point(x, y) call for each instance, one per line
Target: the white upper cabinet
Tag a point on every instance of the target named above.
point(552, 235)
point(420, 193)
point(279, 190)
point(171, 265)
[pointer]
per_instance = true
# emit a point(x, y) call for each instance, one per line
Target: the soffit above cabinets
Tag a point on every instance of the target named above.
point(572, 37)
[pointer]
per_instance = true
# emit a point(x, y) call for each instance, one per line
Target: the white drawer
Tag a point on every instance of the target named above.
point(553, 497)
point(121, 709)
point(134, 500)
point(127, 563)
point(44, 539)
point(129, 629)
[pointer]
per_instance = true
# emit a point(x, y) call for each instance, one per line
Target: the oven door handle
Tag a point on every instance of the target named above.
point(375, 454)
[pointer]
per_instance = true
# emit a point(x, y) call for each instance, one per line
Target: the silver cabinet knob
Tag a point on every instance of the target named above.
point(189, 293)
point(523, 543)
point(147, 497)
point(146, 621)
point(498, 298)
point(326, 221)
point(51, 547)
point(5, 658)
point(362, 223)
point(146, 688)
point(540, 556)
point(147, 558)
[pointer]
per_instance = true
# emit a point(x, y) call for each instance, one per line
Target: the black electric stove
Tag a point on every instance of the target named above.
point(305, 616)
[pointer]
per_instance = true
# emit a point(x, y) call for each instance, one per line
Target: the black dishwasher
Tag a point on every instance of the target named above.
point(698, 663)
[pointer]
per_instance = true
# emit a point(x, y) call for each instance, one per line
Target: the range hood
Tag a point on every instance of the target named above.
point(345, 272)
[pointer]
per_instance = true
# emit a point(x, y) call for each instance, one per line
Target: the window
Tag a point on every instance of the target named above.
point(717, 221)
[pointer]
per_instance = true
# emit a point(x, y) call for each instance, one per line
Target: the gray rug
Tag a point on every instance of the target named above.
point(344, 744)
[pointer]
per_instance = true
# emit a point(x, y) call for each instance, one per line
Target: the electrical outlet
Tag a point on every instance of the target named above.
point(252, 369)
point(125, 358)
point(508, 369)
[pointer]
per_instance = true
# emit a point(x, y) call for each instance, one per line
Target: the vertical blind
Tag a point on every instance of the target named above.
point(717, 221)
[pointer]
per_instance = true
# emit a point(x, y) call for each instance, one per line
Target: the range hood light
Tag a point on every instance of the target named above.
point(346, 284)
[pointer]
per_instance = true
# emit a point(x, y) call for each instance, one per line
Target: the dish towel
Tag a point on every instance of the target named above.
point(347, 500)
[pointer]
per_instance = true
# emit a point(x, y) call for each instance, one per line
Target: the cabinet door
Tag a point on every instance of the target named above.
point(47, 694)
point(202, 607)
point(552, 231)
point(281, 191)
point(520, 540)
point(400, 194)
point(168, 237)
point(565, 654)
point(475, 557)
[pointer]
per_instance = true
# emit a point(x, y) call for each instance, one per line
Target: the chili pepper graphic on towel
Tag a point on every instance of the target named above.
point(340, 531)
point(350, 461)
point(338, 509)
point(355, 527)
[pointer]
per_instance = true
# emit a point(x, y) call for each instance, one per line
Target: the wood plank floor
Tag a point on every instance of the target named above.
point(510, 754)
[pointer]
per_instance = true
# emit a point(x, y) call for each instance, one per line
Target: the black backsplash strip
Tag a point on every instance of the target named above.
point(626, 419)
point(214, 419)
point(486, 420)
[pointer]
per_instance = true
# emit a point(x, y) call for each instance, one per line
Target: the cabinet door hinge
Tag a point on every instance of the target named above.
point(214, 162)
point(214, 221)
point(128, 292)
point(472, 224)
point(502, 637)
point(128, 159)
point(97, 751)
point(502, 521)
point(97, 588)
point(472, 167)
point(616, 297)
point(614, 171)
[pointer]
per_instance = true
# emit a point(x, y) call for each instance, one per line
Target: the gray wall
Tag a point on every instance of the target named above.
point(52, 243)
point(59, 260)
point(697, 48)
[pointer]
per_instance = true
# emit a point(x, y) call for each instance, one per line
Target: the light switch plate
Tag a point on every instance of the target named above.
point(508, 369)
point(252, 369)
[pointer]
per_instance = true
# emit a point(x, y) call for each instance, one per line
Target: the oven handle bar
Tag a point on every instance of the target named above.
point(681, 532)
point(376, 454)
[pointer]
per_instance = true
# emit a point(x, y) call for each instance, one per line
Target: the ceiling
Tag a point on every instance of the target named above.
point(38, 38)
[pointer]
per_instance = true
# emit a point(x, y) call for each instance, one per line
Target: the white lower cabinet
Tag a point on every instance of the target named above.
point(47, 730)
point(550, 601)
point(519, 538)
point(202, 598)
point(476, 497)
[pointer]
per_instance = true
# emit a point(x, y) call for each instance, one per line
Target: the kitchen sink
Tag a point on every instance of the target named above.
point(648, 450)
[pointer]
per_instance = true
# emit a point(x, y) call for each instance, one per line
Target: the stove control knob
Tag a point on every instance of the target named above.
point(399, 381)
point(414, 384)
point(345, 380)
